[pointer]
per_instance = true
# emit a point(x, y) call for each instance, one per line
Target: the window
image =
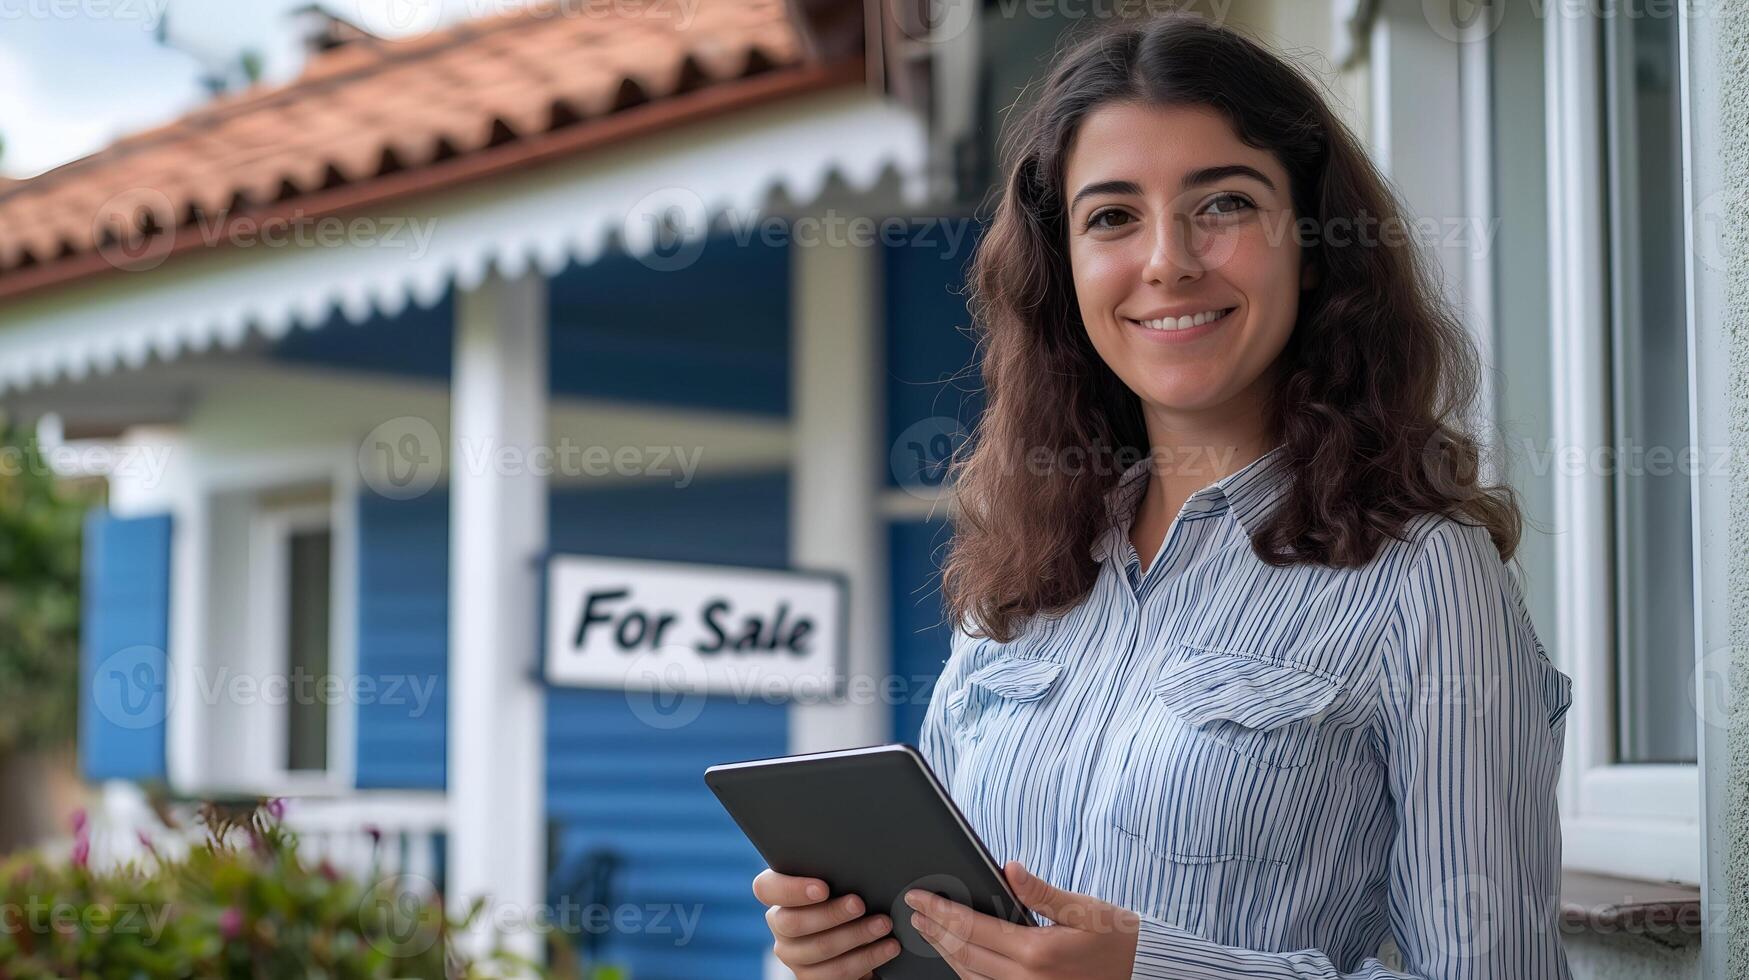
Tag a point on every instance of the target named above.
point(1594, 408)
point(1653, 551)
point(270, 704)
point(290, 632)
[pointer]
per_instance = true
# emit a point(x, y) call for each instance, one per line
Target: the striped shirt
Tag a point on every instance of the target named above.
point(1277, 768)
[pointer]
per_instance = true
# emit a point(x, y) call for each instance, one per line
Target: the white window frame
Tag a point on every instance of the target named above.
point(271, 529)
point(196, 666)
point(1633, 820)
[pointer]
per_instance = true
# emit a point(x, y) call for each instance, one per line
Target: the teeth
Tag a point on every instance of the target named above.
point(1183, 322)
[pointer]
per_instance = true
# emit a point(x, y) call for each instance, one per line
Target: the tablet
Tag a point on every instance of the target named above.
point(872, 821)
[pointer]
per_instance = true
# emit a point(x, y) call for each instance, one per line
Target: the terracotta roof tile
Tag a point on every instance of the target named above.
point(402, 104)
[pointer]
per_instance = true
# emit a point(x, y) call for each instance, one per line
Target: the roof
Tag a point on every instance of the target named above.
point(373, 118)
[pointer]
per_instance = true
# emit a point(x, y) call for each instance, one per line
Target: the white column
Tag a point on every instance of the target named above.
point(837, 363)
point(498, 525)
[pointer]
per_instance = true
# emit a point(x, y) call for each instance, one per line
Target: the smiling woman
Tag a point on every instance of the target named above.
point(1241, 684)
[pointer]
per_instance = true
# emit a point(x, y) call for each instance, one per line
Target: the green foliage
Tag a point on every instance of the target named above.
point(239, 905)
point(40, 521)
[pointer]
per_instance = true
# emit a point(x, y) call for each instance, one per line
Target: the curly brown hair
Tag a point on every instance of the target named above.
point(1372, 387)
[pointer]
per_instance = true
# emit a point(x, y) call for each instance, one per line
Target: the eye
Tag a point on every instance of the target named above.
point(1238, 203)
point(1094, 220)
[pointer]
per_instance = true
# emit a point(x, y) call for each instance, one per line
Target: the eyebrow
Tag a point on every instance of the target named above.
point(1207, 175)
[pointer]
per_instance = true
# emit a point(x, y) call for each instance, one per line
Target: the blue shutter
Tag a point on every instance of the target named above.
point(124, 639)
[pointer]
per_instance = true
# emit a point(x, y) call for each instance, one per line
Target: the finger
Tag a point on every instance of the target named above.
point(857, 964)
point(773, 888)
point(809, 919)
point(967, 958)
point(969, 924)
point(1064, 907)
point(833, 943)
point(960, 967)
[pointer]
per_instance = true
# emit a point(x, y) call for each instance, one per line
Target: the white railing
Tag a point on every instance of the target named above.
point(374, 833)
point(367, 835)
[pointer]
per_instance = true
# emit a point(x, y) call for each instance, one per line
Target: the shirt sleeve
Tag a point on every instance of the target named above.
point(1470, 728)
point(935, 740)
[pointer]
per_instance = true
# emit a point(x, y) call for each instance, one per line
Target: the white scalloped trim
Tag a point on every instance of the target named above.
point(544, 220)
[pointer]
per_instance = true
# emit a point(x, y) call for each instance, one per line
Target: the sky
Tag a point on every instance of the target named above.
point(77, 74)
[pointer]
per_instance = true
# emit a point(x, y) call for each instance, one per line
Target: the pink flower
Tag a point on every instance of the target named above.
point(231, 922)
point(326, 870)
point(276, 808)
point(375, 832)
point(82, 851)
point(79, 822)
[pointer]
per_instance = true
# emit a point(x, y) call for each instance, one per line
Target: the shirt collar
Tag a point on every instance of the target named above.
point(1249, 493)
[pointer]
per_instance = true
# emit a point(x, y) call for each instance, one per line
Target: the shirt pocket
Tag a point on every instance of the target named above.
point(998, 691)
point(1226, 759)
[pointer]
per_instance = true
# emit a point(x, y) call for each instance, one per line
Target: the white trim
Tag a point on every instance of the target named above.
point(1712, 350)
point(1441, 174)
point(497, 531)
point(1476, 78)
point(190, 729)
point(269, 594)
point(1612, 820)
point(738, 164)
point(836, 471)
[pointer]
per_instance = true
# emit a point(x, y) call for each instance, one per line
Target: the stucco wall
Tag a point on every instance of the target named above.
point(1730, 66)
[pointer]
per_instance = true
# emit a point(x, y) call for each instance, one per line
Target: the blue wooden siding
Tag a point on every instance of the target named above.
point(403, 640)
point(932, 381)
point(714, 334)
point(124, 644)
point(919, 631)
point(634, 789)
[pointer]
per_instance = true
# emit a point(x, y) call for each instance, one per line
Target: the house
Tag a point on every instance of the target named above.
point(361, 353)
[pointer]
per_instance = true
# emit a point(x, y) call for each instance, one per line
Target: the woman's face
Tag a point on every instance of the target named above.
point(1172, 220)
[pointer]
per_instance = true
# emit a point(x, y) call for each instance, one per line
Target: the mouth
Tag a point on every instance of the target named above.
point(1183, 328)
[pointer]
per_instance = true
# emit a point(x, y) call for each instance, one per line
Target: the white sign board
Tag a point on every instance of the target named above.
point(655, 625)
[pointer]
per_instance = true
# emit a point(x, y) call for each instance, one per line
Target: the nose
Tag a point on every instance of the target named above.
point(1172, 254)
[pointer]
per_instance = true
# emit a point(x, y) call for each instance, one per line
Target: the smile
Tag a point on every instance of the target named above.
point(1171, 324)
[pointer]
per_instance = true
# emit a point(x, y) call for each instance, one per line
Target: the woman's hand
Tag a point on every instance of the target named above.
point(820, 939)
point(1091, 939)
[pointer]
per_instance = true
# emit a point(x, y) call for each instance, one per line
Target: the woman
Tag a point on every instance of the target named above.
point(1316, 715)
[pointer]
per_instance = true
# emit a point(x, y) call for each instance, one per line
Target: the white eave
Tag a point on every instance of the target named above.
point(547, 218)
